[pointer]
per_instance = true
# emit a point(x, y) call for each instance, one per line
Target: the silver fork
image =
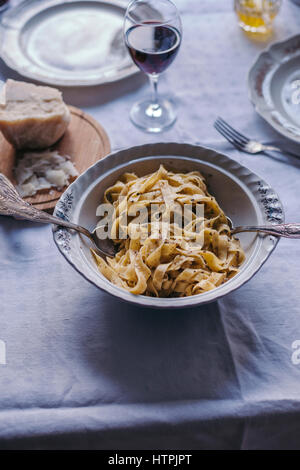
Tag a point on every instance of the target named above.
point(243, 143)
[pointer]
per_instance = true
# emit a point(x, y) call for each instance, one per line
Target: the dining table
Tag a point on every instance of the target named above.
point(80, 369)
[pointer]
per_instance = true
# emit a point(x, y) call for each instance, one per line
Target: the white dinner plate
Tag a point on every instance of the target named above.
point(245, 198)
point(274, 86)
point(71, 43)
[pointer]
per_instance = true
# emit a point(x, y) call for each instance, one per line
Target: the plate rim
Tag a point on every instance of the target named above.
point(125, 72)
point(266, 247)
point(252, 93)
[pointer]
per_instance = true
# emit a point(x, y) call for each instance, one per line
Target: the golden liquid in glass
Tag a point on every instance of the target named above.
point(256, 16)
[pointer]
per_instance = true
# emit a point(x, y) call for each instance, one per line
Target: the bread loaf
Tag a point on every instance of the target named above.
point(31, 116)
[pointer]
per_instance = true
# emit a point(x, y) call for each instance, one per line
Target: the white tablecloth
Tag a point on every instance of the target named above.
point(84, 370)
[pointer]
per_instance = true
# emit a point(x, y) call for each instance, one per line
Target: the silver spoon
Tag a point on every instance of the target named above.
point(12, 204)
point(279, 230)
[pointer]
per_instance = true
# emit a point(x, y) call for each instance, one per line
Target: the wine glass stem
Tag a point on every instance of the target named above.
point(154, 83)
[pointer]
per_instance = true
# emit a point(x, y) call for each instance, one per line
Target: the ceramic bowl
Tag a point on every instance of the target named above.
point(244, 197)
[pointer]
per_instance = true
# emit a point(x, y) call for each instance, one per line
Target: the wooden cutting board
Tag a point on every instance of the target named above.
point(85, 141)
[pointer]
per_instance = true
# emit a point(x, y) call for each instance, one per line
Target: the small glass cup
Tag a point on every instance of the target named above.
point(257, 16)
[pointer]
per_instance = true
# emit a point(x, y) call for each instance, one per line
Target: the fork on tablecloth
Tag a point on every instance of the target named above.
point(243, 143)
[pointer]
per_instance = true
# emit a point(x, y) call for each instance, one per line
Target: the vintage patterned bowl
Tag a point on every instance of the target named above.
point(274, 86)
point(245, 198)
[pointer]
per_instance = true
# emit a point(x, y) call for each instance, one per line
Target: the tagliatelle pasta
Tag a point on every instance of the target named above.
point(158, 255)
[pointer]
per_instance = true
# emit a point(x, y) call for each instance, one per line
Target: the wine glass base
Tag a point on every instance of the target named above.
point(153, 118)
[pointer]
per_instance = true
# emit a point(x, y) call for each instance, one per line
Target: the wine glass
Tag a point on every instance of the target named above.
point(152, 32)
point(3, 5)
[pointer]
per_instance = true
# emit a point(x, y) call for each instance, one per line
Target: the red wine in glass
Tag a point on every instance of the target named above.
point(152, 46)
point(153, 33)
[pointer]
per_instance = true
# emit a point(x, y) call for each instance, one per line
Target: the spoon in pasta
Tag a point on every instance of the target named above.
point(278, 230)
point(11, 204)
